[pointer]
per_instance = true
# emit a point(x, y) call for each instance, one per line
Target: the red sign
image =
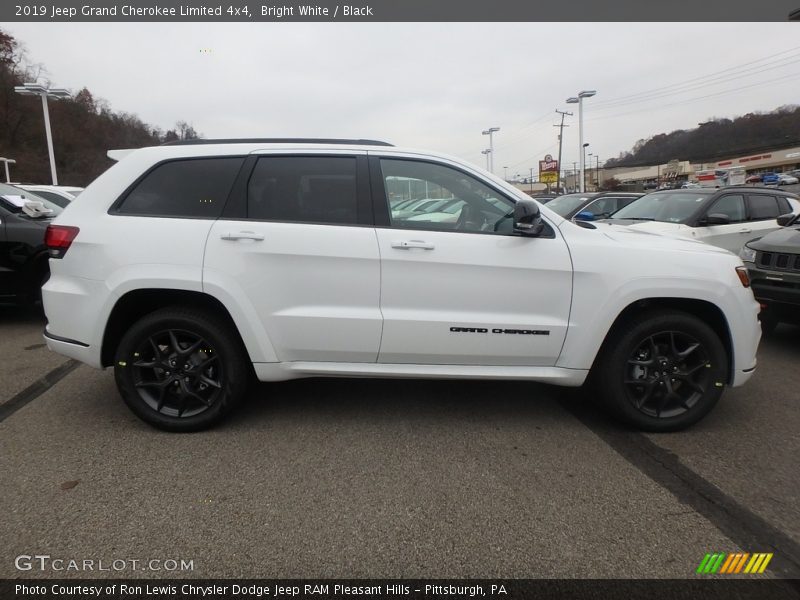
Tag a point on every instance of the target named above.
point(548, 164)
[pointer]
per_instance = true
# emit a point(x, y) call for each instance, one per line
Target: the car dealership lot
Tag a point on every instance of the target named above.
point(393, 478)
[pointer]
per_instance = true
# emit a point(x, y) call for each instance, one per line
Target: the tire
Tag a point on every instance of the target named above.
point(183, 390)
point(662, 371)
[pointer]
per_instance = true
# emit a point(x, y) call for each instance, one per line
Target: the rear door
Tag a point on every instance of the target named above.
point(297, 250)
point(762, 212)
point(733, 234)
point(459, 288)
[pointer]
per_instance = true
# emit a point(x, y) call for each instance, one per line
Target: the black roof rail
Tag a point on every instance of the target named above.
point(795, 15)
point(199, 141)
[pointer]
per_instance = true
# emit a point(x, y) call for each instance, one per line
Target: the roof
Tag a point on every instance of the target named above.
point(199, 141)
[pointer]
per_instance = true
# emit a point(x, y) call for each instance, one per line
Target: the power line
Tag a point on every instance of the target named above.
point(699, 78)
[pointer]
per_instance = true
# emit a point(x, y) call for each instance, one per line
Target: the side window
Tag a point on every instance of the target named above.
point(304, 189)
point(783, 206)
point(424, 195)
point(184, 188)
point(732, 206)
point(763, 207)
point(605, 206)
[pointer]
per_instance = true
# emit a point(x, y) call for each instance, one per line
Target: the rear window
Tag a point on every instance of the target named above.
point(763, 207)
point(194, 188)
point(304, 189)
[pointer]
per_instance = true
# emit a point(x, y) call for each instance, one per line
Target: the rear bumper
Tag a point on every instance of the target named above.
point(73, 349)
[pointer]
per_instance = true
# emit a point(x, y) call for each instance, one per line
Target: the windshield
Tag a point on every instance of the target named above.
point(668, 207)
point(14, 197)
point(564, 205)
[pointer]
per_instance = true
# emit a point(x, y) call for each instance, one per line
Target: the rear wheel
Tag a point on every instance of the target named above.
point(663, 372)
point(181, 369)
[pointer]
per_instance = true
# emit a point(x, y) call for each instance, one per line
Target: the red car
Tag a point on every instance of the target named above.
point(754, 179)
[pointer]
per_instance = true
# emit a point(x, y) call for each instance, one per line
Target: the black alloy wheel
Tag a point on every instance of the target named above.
point(177, 373)
point(662, 370)
point(668, 372)
point(181, 369)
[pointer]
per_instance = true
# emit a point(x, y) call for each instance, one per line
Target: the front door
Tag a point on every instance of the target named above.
point(457, 286)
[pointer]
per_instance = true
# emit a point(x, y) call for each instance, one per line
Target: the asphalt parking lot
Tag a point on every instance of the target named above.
point(392, 478)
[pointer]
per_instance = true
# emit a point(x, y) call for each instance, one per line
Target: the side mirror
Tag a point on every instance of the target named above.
point(784, 220)
point(585, 215)
point(717, 219)
point(527, 218)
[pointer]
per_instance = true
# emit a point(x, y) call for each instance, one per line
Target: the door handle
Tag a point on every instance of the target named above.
point(243, 235)
point(745, 231)
point(409, 244)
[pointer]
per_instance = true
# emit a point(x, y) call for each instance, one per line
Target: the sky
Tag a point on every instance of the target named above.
point(428, 85)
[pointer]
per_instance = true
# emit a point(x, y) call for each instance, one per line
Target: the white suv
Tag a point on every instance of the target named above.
point(190, 267)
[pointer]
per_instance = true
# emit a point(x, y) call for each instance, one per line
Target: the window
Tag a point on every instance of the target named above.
point(763, 207)
point(184, 188)
point(304, 189)
point(424, 195)
point(784, 207)
point(731, 206)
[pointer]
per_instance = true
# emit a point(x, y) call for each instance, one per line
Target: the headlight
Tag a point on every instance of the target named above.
point(747, 254)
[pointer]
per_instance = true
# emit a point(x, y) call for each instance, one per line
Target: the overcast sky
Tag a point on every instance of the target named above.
point(433, 86)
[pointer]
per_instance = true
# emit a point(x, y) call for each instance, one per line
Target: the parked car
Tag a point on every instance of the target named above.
point(689, 185)
point(769, 178)
point(773, 262)
point(725, 217)
point(591, 206)
point(756, 178)
point(191, 266)
point(24, 218)
point(57, 194)
point(786, 179)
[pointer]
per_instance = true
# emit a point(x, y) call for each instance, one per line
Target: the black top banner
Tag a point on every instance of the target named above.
point(399, 10)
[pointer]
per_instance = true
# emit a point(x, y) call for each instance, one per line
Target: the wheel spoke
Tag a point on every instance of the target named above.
point(689, 382)
point(156, 384)
point(685, 353)
point(173, 340)
point(191, 349)
point(161, 396)
point(208, 381)
point(144, 364)
point(156, 349)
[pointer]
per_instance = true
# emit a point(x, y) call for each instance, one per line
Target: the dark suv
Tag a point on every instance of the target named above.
point(23, 253)
point(773, 262)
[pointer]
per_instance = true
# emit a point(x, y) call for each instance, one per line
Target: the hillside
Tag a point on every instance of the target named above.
point(84, 128)
point(717, 139)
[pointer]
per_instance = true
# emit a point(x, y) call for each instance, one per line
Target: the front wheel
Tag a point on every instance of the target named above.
point(663, 372)
point(181, 369)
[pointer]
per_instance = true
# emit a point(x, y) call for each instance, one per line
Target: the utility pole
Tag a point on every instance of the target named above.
point(531, 180)
point(575, 174)
point(561, 126)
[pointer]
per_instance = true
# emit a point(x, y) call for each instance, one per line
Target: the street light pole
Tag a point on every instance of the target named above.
point(33, 89)
point(489, 132)
point(505, 173)
point(531, 180)
point(583, 165)
point(579, 102)
point(488, 153)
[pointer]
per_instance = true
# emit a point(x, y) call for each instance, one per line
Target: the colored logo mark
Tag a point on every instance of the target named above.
point(739, 562)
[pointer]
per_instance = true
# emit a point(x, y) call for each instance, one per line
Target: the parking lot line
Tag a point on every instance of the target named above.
point(36, 389)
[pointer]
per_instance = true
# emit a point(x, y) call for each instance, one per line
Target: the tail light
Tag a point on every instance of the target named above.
point(58, 239)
